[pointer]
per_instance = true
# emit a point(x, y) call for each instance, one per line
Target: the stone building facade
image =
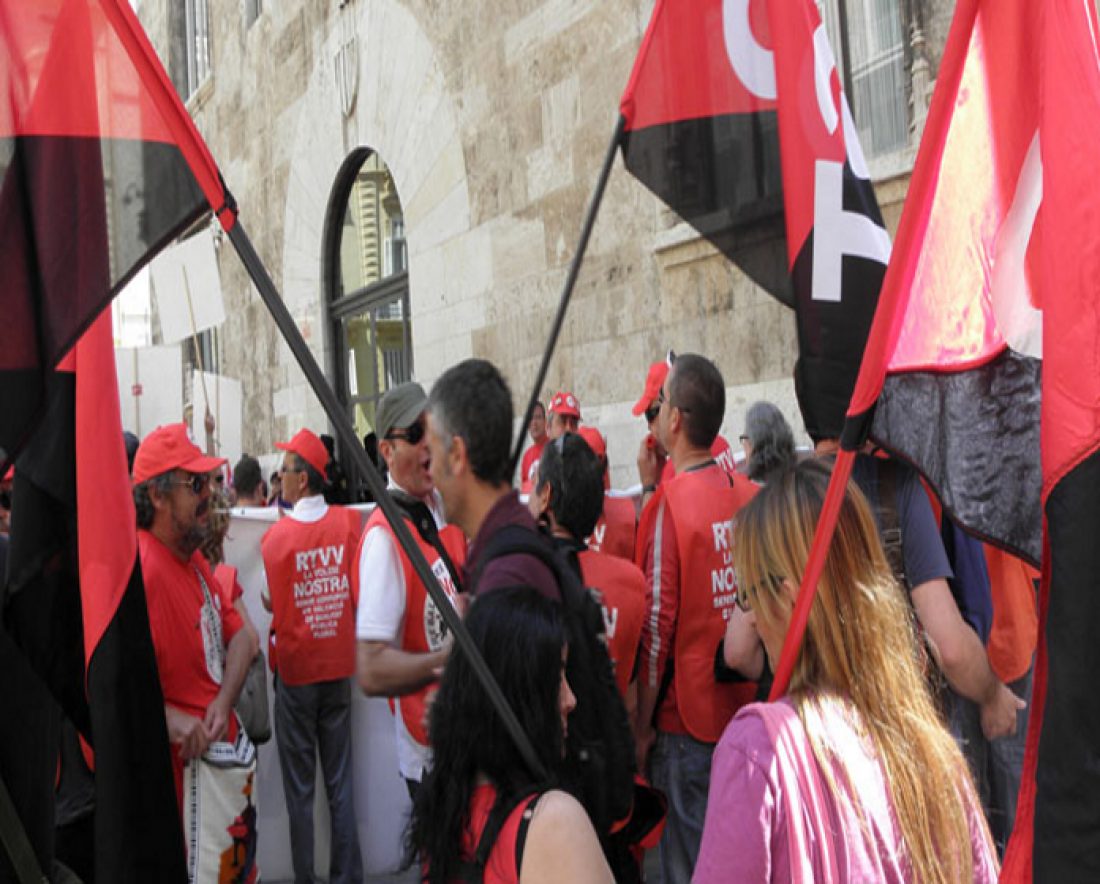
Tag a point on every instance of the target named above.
point(492, 118)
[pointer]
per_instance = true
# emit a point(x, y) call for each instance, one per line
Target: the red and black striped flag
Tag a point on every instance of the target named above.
point(735, 117)
point(100, 167)
point(984, 362)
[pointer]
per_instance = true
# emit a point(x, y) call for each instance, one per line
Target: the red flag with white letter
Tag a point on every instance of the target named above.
point(986, 340)
point(735, 118)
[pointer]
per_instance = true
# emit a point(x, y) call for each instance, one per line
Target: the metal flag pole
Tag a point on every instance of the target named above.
point(570, 283)
point(352, 447)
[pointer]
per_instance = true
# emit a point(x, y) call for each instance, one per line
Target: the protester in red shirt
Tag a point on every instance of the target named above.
point(529, 466)
point(684, 548)
point(202, 652)
point(308, 560)
point(618, 522)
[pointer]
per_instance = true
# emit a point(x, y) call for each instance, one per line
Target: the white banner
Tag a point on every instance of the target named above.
point(150, 387)
point(222, 396)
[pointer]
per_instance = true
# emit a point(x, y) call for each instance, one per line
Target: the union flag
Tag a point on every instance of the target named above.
point(100, 167)
point(734, 116)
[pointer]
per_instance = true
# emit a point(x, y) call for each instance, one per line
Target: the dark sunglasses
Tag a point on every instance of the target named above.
point(196, 483)
point(412, 434)
point(651, 413)
point(5, 500)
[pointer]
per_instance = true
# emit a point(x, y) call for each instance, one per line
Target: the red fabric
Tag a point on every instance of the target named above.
point(226, 575)
point(501, 865)
point(1015, 630)
point(106, 532)
point(175, 599)
point(623, 588)
point(309, 567)
point(702, 510)
point(168, 448)
point(309, 447)
point(529, 466)
point(614, 532)
point(422, 628)
point(673, 70)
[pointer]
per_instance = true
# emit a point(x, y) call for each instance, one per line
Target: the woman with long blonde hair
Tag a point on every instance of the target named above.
point(852, 776)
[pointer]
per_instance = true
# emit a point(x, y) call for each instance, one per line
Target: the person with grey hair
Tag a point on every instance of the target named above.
point(203, 652)
point(768, 442)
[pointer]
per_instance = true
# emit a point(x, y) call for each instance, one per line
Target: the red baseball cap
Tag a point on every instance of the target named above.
point(170, 448)
point(309, 448)
point(565, 403)
point(658, 371)
point(595, 440)
point(10, 474)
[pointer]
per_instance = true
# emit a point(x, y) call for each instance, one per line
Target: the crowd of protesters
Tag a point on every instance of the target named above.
point(894, 755)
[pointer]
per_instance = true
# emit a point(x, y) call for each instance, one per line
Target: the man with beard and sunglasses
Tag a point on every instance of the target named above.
point(202, 652)
point(403, 641)
point(307, 558)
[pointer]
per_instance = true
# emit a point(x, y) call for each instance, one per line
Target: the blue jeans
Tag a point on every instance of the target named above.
point(680, 767)
point(996, 766)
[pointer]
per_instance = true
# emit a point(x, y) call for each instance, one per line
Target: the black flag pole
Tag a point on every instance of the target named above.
point(570, 284)
point(351, 446)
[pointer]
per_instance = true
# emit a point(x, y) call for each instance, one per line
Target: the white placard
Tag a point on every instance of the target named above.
point(224, 403)
point(188, 269)
point(150, 387)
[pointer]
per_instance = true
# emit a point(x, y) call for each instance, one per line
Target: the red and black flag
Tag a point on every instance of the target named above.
point(983, 369)
point(100, 166)
point(735, 117)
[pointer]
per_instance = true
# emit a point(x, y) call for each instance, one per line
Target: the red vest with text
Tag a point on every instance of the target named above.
point(702, 517)
point(614, 532)
point(622, 586)
point(309, 567)
point(423, 627)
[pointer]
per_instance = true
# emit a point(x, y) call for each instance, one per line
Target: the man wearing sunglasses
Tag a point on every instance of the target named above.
point(654, 464)
point(402, 640)
point(308, 563)
point(202, 648)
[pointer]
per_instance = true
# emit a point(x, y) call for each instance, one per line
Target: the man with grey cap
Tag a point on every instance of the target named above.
point(402, 640)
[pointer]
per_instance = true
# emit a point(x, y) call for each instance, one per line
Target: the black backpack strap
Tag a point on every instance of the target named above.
point(524, 824)
point(888, 513)
point(474, 870)
point(18, 846)
point(422, 519)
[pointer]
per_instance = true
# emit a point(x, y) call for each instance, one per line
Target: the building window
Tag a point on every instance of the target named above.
point(868, 40)
point(367, 284)
point(197, 44)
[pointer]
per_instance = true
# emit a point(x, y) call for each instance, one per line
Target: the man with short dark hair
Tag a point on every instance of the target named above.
point(569, 497)
point(402, 640)
point(469, 441)
point(684, 550)
point(203, 652)
point(529, 466)
point(248, 482)
point(308, 562)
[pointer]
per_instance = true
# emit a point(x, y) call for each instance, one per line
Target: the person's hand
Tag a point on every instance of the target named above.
point(208, 421)
point(216, 720)
point(187, 732)
point(999, 713)
point(649, 463)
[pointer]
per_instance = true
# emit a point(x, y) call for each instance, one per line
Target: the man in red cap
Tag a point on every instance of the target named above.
point(565, 414)
point(529, 466)
point(203, 652)
point(654, 464)
point(308, 561)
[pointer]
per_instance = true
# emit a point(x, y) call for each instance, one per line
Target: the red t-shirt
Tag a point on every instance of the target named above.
point(529, 466)
point(184, 627)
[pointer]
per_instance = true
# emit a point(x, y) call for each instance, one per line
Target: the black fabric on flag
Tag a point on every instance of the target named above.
point(721, 174)
point(63, 259)
point(1067, 813)
point(138, 831)
point(983, 458)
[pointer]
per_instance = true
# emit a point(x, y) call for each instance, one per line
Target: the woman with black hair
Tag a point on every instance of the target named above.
point(479, 783)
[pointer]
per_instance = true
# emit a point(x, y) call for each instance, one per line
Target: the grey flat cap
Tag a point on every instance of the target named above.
point(399, 407)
